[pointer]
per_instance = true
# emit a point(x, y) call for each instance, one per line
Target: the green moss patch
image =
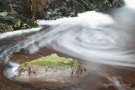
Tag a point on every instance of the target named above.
point(53, 61)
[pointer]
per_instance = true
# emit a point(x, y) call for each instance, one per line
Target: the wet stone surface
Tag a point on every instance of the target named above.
point(51, 72)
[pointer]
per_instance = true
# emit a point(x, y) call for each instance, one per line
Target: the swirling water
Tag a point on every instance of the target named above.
point(92, 36)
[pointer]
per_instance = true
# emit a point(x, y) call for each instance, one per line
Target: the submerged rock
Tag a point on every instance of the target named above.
point(51, 72)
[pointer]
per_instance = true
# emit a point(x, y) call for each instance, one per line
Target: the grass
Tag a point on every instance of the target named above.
point(53, 61)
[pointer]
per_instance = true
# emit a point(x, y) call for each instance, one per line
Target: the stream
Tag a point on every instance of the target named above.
point(100, 77)
point(101, 42)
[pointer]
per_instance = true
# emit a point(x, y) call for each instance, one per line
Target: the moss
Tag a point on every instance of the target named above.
point(4, 5)
point(25, 20)
point(53, 61)
point(16, 22)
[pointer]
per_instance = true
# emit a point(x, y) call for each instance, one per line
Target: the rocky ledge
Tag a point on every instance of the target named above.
point(51, 72)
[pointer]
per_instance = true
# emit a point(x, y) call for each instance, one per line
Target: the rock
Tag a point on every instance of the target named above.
point(17, 23)
point(13, 22)
point(90, 5)
point(3, 14)
point(51, 72)
point(5, 28)
point(33, 9)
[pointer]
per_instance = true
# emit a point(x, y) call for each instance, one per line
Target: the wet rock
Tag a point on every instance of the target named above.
point(5, 28)
point(13, 21)
point(3, 14)
point(51, 72)
point(33, 9)
point(59, 8)
point(53, 9)
point(17, 23)
point(90, 5)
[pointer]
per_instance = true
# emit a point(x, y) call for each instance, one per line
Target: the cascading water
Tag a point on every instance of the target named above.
point(92, 36)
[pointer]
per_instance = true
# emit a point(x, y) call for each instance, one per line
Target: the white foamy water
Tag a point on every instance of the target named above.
point(11, 72)
point(18, 32)
point(130, 3)
point(91, 36)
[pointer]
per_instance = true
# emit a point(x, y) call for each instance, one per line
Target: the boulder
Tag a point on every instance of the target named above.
point(51, 72)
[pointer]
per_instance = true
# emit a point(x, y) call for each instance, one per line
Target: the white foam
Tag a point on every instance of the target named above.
point(18, 32)
point(11, 72)
point(130, 4)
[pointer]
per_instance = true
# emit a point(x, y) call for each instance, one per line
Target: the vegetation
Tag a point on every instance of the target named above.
point(13, 21)
point(52, 61)
point(88, 5)
point(27, 11)
point(63, 8)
